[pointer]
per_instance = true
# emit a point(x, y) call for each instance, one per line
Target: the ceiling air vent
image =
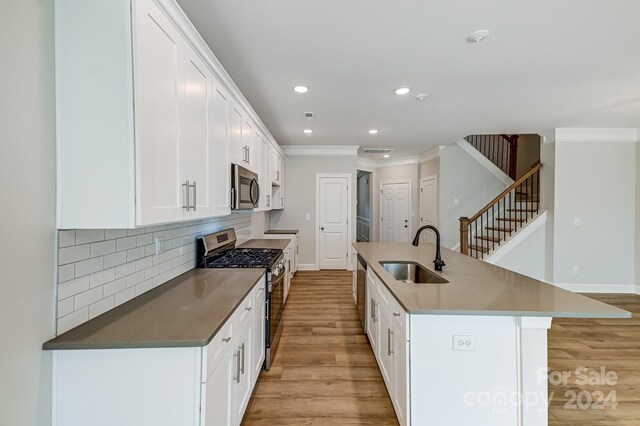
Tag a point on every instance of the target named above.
point(308, 114)
point(376, 150)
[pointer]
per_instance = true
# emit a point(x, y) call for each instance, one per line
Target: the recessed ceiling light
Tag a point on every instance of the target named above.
point(422, 96)
point(308, 131)
point(403, 90)
point(373, 131)
point(386, 156)
point(301, 89)
point(477, 36)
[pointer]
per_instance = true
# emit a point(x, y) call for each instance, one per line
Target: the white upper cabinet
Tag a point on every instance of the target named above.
point(265, 175)
point(148, 121)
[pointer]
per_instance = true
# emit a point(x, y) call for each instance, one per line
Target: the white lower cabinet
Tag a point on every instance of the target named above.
point(186, 386)
point(387, 331)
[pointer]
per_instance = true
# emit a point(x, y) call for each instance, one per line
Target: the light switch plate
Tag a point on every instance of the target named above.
point(307, 216)
point(159, 245)
point(464, 343)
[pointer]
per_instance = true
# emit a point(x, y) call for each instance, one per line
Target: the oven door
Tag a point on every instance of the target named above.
point(246, 190)
point(275, 306)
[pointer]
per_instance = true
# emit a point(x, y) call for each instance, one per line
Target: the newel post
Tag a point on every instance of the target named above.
point(464, 235)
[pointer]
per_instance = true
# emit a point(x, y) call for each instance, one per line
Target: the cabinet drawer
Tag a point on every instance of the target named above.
point(385, 298)
point(217, 347)
point(243, 312)
point(399, 315)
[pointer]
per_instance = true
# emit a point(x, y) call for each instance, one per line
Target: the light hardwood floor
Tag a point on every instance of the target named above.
point(324, 372)
point(594, 344)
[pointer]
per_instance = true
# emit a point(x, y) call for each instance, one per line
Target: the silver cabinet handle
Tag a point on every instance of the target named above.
point(233, 196)
point(277, 174)
point(372, 307)
point(237, 355)
point(389, 333)
point(248, 309)
point(226, 339)
point(269, 200)
point(186, 205)
point(282, 201)
point(396, 315)
point(248, 154)
point(243, 352)
point(194, 196)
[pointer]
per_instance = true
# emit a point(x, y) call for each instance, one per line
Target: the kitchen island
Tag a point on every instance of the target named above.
point(472, 350)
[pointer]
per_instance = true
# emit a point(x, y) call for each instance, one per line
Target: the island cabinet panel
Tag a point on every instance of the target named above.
point(199, 386)
point(372, 312)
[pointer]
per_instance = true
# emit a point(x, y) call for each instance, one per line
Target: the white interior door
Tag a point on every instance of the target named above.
point(333, 218)
point(395, 212)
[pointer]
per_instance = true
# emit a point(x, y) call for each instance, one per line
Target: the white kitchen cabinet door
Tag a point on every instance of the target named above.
point(385, 349)
point(195, 143)
point(218, 393)
point(219, 134)
point(244, 385)
point(275, 167)
point(247, 142)
point(400, 374)
point(265, 175)
point(258, 344)
point(372, 313)
point(158, 74)
point(236, 150)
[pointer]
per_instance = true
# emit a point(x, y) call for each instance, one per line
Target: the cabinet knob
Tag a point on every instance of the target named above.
point(226, 339)
point(396, 315)
point(322, 228)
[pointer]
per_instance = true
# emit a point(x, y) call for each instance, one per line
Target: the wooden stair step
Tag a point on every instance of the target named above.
point(492, 239)
point(522, 210)
point(510, 219)
point(499, 229)
point(479, 248)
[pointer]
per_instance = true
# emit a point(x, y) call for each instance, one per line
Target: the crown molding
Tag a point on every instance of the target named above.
point(379, 164)
point(596, 134)
point(431, 154)
point(321, 150)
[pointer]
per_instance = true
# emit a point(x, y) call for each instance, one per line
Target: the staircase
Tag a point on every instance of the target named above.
point(482, 233)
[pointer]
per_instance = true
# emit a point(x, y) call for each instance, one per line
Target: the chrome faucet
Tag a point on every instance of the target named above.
point(438, 260)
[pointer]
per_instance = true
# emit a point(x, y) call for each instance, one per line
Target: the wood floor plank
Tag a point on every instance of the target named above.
point(324, 371)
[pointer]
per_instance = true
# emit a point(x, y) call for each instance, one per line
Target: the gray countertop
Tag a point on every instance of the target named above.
point(281, 231)
point(264, 243)
point(186, 311)
point(476, 287)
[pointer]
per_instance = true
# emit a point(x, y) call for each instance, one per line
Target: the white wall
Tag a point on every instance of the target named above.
point(406, 172)
point(27, 188)
point(300, 198)
point(595, 181)
point(637, 263)
point(463, 178)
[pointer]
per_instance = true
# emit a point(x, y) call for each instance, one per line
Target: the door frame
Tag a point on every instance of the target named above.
point(349, 225)
point(424, 179)
point(380, 208)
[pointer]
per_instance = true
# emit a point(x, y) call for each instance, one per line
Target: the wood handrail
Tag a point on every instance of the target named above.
point(537, 165)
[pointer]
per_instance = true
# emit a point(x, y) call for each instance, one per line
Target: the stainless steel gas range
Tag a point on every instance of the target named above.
point(218, 250)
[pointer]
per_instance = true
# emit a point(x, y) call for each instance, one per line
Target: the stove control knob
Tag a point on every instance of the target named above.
point(277, 271)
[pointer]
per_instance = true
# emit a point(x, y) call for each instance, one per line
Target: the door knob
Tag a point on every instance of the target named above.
point(406, 226)
point(322, 228)
point(405, 221)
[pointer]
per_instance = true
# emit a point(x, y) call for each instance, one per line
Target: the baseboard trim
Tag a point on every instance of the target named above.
point(307, 267)
point(599, 288)
point(638, 289)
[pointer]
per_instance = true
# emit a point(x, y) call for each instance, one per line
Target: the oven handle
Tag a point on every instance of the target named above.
point(277, 281)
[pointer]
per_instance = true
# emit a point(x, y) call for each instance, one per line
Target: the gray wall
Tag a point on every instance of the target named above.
point(528, 153)
point(547, 195)
point(27, 173)
point(430, 168)
point(465, 179)
point(407, 172)
point(300, 193)
point(595, 181)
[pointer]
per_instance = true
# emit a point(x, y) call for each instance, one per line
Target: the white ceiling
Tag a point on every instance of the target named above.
point(546, 64)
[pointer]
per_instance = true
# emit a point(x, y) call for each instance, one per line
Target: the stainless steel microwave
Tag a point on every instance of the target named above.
point(245, 190)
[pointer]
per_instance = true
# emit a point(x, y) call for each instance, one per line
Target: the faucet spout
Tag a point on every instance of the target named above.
point(438, 262)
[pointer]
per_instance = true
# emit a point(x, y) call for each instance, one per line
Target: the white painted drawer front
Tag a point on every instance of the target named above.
point(399, 315)
point(216, 348)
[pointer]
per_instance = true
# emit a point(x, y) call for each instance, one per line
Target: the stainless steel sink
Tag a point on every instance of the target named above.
point(412, 273)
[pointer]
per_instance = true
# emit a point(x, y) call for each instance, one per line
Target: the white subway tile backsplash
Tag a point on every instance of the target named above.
point(90, 266)
point(135, 254)
point(113, 287)
point(100, 278)
point(124, 296)
point(73, 287)
point(72, 320)
point(115, 259)
point(65, 307)
point(101, 269)
point(84, 236)
point(67, 238)
point(126, 269)
point(87, 298)
point(110, 234)
point(74, 254)
point(102, 248)
point(66, 272)
point(101, 306)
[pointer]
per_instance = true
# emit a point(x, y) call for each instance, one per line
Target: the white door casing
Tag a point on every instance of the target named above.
point(333, 211)
point(395, 211)
point(429, 204)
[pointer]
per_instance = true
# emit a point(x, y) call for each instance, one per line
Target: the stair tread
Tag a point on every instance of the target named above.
point(495, 228)
point(522, 210)
point(510, 219)
point(493, 239)
point(479, 248)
